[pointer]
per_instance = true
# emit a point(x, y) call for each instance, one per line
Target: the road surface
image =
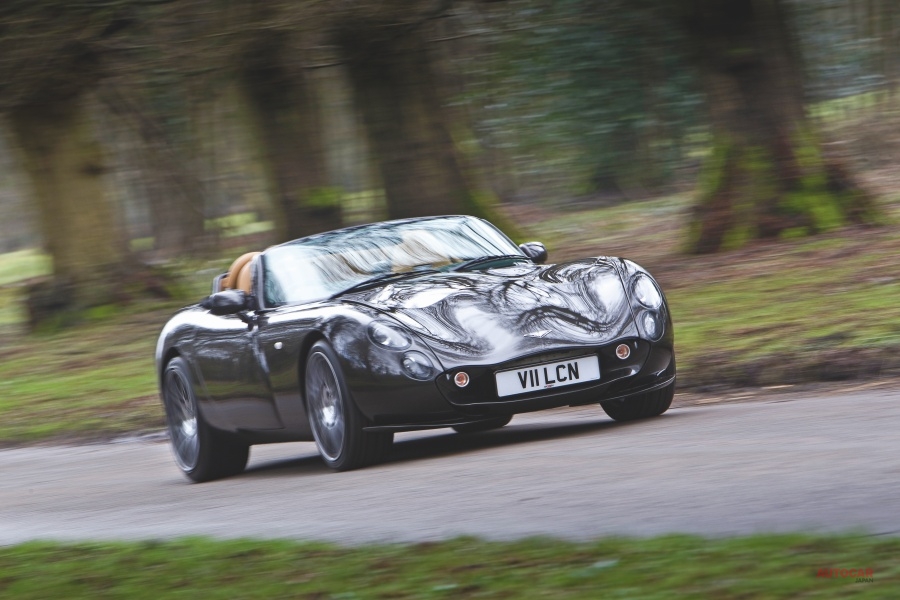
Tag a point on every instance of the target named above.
point(788, 462)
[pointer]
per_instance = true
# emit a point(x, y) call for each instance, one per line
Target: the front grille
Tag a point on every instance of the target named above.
point(541, 358)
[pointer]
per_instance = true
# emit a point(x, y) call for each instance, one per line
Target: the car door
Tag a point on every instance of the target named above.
point(281, 335)
point(237, 388)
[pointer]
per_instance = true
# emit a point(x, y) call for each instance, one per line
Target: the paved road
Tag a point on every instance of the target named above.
point(827, 462)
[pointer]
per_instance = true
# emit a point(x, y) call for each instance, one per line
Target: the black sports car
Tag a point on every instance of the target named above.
point(348, 336)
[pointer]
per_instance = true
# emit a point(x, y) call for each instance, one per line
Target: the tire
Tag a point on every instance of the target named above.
point(480, 426)
point(201, 452)
point(336, 422)
point(641, 406)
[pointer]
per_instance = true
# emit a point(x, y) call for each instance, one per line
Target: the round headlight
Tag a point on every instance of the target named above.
point(646, 292)
point(651, 325)
point(417, 365)
point(388, 336)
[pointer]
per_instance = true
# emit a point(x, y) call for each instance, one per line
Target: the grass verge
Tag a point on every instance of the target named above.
point(91, 381)
point(94, 380)
point(769, 567)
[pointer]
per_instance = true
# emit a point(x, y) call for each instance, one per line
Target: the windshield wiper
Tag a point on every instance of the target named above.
point(481, 260)
point(382, 278)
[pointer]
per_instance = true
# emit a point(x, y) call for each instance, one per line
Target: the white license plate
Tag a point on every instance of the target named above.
point(548, 375)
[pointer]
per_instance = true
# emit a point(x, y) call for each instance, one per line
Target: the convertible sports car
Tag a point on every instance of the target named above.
point(348, 336)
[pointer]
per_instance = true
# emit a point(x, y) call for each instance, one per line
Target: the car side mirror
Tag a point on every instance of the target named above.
point(227, 302)
point(535, 251)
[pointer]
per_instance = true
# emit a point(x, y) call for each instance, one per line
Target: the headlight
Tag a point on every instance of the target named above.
point(646, 292)
point(417, 365)
point(650, 323)
point(388, 336)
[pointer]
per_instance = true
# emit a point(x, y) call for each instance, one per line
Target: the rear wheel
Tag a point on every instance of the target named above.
point(336, 423)
point(483, 425)
point(641, 406)
point(201, 452)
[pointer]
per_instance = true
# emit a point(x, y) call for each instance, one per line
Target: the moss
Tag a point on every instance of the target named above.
point(714, 169)
point(822, 208)
point(710, 184)
point(794, 232)
point(738, 236)
point(825, 211)
point(101, 313)
point(810, 196)
point(806, 152)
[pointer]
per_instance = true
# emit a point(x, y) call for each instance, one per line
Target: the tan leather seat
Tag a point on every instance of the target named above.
point(240, 274)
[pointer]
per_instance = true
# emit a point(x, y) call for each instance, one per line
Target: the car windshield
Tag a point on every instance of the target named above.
point(321, 266)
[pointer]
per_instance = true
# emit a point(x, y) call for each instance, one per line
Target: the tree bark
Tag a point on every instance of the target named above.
point(890, 46)
point(767, 174)
point(285, 114)
point(78, 222)
point(173, 189)
point(396, 88)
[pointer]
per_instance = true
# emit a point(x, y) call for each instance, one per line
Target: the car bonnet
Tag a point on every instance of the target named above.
point(489, 316)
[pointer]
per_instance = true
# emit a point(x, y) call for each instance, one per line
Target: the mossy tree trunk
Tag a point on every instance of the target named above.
point(285, 115)
point(767, 174)
point(396, 88)
point(78, 221)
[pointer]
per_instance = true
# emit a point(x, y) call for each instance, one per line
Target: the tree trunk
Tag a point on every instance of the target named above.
point(890, 47)
point(79, 223)
point(395, 84)
point(767, 174)
point(172, 187)
point(285, 115)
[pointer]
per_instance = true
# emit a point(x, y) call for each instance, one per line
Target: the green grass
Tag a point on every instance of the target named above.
point(93, 380)
point(16, 267)
point(788, 311)
point(23, 264)
point(764, 567)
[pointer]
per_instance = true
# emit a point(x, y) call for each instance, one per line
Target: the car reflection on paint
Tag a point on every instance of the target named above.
point(349, 336)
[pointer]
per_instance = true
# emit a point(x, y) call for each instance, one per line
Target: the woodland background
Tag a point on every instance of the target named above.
point(135, 132)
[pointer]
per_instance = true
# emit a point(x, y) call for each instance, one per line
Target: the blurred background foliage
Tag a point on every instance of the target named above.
point(137, 132)
point(585, 97)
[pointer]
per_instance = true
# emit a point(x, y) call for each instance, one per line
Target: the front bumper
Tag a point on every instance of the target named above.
point(650, 366)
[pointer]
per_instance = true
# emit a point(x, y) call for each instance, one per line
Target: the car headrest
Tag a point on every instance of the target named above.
point(239, 276)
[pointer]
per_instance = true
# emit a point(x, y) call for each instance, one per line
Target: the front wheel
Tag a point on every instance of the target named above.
point(641, 406)
point(201, 452)
point(336, 423)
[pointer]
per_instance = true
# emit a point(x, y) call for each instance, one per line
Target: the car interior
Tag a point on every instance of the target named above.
point(239, 275)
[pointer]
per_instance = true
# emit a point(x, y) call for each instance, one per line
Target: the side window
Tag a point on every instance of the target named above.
point(273, 294)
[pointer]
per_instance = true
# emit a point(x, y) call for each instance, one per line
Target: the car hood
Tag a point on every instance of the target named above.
point(490, 316)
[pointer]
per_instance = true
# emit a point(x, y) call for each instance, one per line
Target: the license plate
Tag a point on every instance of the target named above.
point(548, 375)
